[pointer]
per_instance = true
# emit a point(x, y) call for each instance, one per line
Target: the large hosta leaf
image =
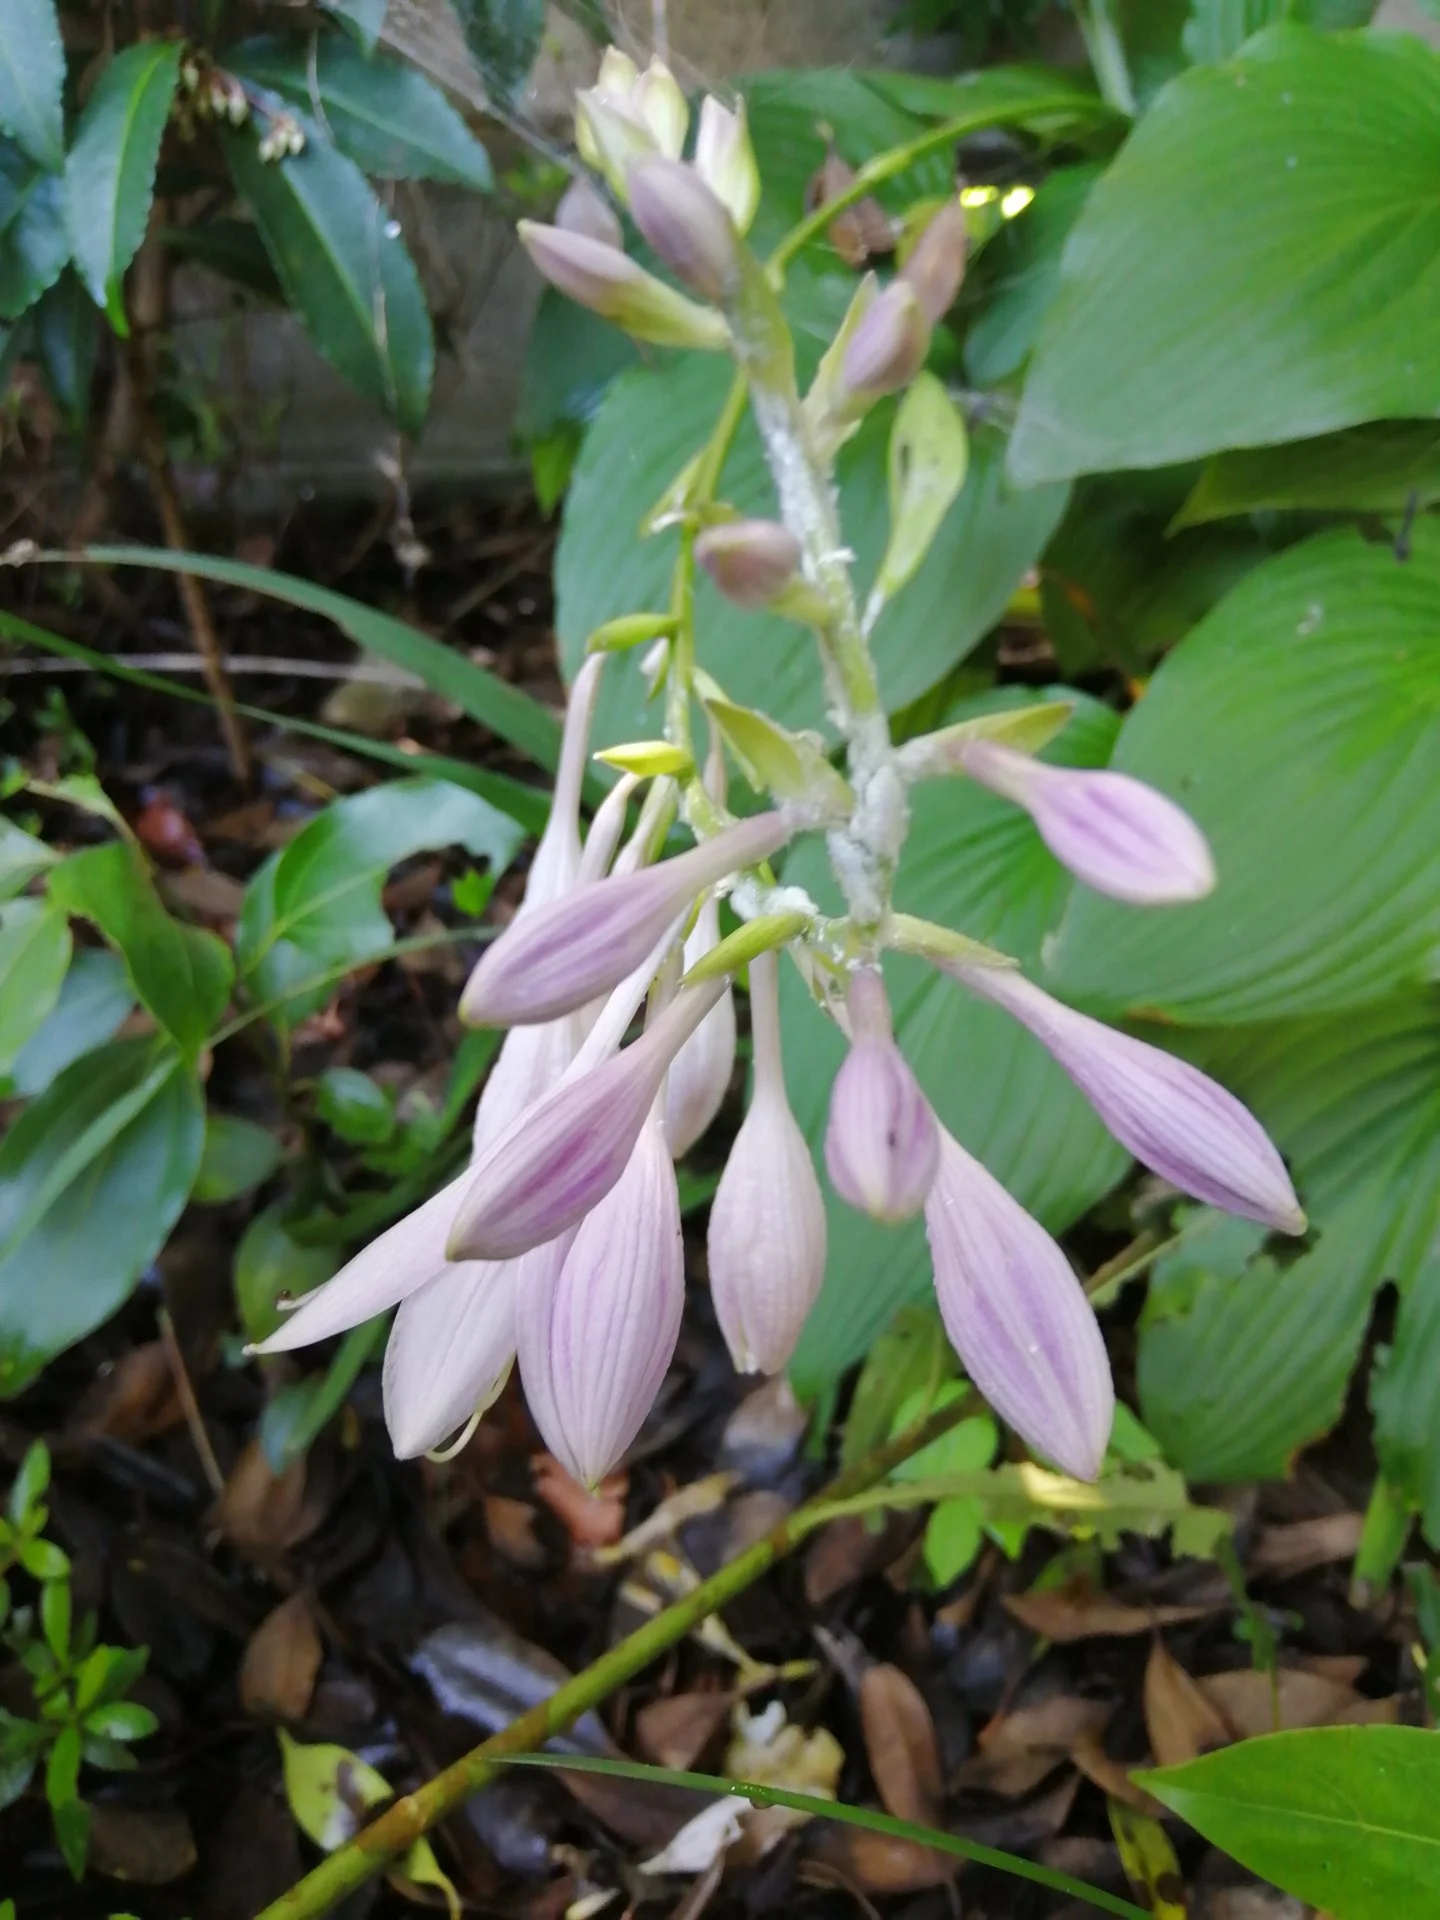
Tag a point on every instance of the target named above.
point(1261, 263)
point(1300, 723)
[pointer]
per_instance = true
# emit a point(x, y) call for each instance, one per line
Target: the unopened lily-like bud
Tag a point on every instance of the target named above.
point(611, 284)
point(699, 1077)
point(751, 561)
point(767, 1220)
point(881, 1140)
point(583, 210)
point(888, 348)
point(1017, 1316)
point(684, 222)
point(556, 863)
point(725, 160)
point(564, 1154)
point(658, 100)
point(610, 134)
point(937, 265)
point(597, 1333)
point(1174, 1119)
point(450, 1350)
point(1114, 833)
point(563, 954)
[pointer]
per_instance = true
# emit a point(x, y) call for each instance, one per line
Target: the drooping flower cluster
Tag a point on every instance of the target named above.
point(561, 1242)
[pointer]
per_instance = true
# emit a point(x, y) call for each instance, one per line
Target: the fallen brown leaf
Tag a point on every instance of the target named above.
point(902, 1746)
point(847, 1550)
point(877, 1862)
point(676, 1731)
point(143, 1846)
point(1111, 1776)
point(263, 1512)
point(135, 1399)
point(277, 1674)
point(1018, 1749)
point(1181, 1720)
point(1248, 1707)
point(1282, 1551)
point(1080, 1613)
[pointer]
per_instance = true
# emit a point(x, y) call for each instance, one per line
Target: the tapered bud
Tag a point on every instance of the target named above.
point(685, 224)
point(1173, 1118)
point(657, 99)
point(699, 1077)
point(1114, 833)
point(609, 134)
point(566, 1152)
point(881, 1139)
point(750, 561)
point(1017, 1316)
point(597, 1333)
point(725, 160)
point(767, 1220)
point(529, 1063)
point(937, 265)
point(562, 955)
point(450, 1351)
point(611, 284)
point(582, 210)
point(556, 864)
point(618, 74)
point(888, 347)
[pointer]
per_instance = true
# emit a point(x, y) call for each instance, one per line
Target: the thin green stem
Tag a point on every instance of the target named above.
point(414, 1814)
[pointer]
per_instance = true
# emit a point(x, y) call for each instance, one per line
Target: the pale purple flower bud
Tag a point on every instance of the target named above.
point(564, 1154)
point(767, 1220)
point(1017, 1316)
point(1173, 1118)
point(1114, 833)
point(606, 829)
point(881, 1141)
point(609, 133)
point(529, 1063)
point(611, 284)
point(699, 1075)
point(888, 347)
point(597, 1333)
point(657, 98)
point(450, 1350)
point(560, 956)
point(937, 265)
point(685, 224)
point(583, 210)
point(750, 561)
point(725, 160)
point(556, 864)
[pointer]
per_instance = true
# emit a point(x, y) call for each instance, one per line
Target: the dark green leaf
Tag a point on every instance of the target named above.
point(1345, 1818)
point(110, 169)
point(231, 248)
point(32, 75)
point(17, 1770)
point(1218, 28)
point(353, 1105)
point(238, 1156)
point(92, 1177)
point(268, 1263)
point(33, 244)
point(71, 1820)
point(30, 1482)
point(1016, 276)
point(121, 1720)
point(182, 974)
point(1402, 1394)
point(1231, 282)
point(388, 118)
point(294, 1419)
point(344, 268)
point(62, 1773)
point(64, 329)
point(1300, 725)
point(95, 997)
point(55, 1616)
point(503, 37)
point(1379, 468)
point(34, 954)
point(361, 18)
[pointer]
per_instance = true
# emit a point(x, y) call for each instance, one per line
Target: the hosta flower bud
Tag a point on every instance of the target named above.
point(1017, 1316)
point(1114, 833)
point(937, 265)
point(881, 1139)
point(767, 1220)
point(750, 561)
point(564, 1154)
point(563, 954)
point(529, 1063)
point(888, 347)
point(618, 74)
point(450, 1350)
point(1173, 1118)
point(611, 284)
point(556, 863)
point(610, 134)
point(582, 210)
point(725, 160)
point(597, 1332)
point(699, 1076)
point(684, 222)
point(657, 99)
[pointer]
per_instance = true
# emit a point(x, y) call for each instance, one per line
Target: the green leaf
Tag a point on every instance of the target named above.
point(71, 1820)
point(64, 327)
point(122, 1720)
point(344, 268)
point(1345, 1818)
point(43, 1560)
point(294, 1419)
point(268, 1263)
point(55, 1616)
point(955, 1529)
point(503, 37)
point(108, 1673)
point(22, 857)
point(928, 455)
point(316, 904)
point(34, 954)
point(32, 75)
point(62, 1774)
point(1218, 28)
point(110, 169)
point(30, 1482)
point(1310, 768)
point(33, 246)
point(977, 865)
point(1378, 468)
point(1228, 283)
point(328, 1789)
point(182, 974)
point(910, 1355)
point(231, 248)
point(95, 998)
point(362, 18)
point(17, 1770)
point(238, 1157)
point(352, 1105)
point(1017, 274)
point(386, 117)
point(93, 1175)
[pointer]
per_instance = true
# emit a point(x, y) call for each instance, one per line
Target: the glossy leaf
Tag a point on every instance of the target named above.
point(33, 243)
point(64, 331)
point(93, 1175)
point(503, 37)
point(238, 1157)
point(1380, 468)
point(34, 954)
point(95, 997)
point(1260, 263)
point(32, 75)
point(1300, 725)
point(182, 974)
point(344, 268)
point(386, 117)
point(1345, 1818)
point(110, 168)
